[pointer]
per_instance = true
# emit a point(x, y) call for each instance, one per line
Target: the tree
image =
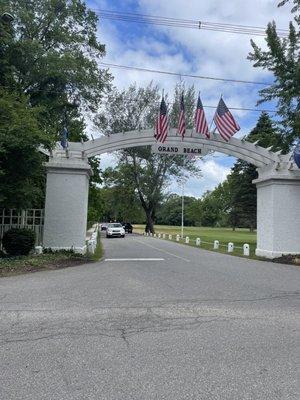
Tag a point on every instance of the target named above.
point(148, 173)
point(121, 202)
point(21, 172)
point(283, 59)
point(51, 53)
point(54, 52)
point(169, 211)
point(242, 191)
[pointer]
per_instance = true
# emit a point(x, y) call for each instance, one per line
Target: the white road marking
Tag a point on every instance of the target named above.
point(164, 251)
point(134, 259)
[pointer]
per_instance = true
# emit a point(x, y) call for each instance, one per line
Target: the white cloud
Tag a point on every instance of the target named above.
point(213, 173)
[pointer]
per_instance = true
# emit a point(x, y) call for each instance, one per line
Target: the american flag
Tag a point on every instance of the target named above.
point(181, 123)
point(225, 122)
point(162, 126)
point(200, 120)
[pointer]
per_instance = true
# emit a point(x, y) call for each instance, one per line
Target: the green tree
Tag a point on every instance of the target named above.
point(242, 191)
point(170, 210)
point(282, 58)
point(51, 53)
point(21, 172)
point(148, 173)
point(121, 201)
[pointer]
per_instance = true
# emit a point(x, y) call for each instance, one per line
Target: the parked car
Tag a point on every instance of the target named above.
point(115, 229)
point(103, 226)
point(128, 227)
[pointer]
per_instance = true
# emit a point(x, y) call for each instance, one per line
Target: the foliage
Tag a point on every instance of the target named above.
point(53, 53)
point(119, 197)
point(282, 58)
point(18, 242)
point(146, 174)
point(21, 171)
point(169, 211)
point(50, 53)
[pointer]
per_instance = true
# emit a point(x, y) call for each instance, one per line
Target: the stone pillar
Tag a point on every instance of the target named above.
point(66, 203)
point(278, 212)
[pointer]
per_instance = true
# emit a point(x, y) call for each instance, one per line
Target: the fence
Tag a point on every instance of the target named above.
point(32, 219)
point(230, 247)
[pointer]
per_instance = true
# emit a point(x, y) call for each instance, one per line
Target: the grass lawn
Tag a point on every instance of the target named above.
point(239, 237)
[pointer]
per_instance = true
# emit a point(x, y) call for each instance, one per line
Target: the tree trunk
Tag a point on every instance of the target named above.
point(150, 223)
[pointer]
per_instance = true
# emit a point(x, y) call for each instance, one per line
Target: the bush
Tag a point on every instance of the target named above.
point(18, 242)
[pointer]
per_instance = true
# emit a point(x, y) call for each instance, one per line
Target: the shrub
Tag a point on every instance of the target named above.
point(18, 242)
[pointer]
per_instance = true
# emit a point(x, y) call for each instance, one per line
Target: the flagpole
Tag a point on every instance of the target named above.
point(182, 202)
point(182, 209)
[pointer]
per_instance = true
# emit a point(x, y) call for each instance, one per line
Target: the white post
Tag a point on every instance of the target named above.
point(159, 236)
point(164, 236)
point(154, 235)
point(278, 211)
point(187, 240)
point(230, 247)
point(66, 203)
point(177, 238)
point(216, 245)
point(198, 242)
point(170, 237)
point(246, 249)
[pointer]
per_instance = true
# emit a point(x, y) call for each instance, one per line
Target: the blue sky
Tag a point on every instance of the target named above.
point(190, 51)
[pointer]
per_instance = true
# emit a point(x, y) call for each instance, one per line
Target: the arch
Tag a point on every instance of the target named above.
point(239, 148)
point(278, 188)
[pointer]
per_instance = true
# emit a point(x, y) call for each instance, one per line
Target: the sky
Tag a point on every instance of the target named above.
point(196, 52)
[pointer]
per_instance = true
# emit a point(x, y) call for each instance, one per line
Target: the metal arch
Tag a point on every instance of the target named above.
point(244, 150)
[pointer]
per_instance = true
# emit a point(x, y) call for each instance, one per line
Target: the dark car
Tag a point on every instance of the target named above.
point(128, 227)
point(104, 226)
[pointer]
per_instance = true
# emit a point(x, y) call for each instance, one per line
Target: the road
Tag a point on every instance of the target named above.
point(154, 320)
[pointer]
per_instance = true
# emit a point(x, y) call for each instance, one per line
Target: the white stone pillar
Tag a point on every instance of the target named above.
point(66, 203)
point(278, 213)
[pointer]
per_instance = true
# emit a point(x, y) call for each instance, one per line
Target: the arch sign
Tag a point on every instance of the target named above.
point(278, 186)
point(179, 149)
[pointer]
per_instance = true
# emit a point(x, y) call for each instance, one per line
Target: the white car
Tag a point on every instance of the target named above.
point(115, 230)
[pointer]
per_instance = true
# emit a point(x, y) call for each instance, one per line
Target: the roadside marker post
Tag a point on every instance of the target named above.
point(230, 247)
point(187, 240)
point(170, 237)
point(246, 249)
point(198, 242)
point(216, 245)
point(177, 238)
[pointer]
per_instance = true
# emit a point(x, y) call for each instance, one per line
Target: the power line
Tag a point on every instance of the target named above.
point(31, 91)
point(186, 23)
point(156, 71)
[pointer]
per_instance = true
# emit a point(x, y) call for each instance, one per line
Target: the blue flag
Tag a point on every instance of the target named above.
point(297, 154)
point(64, 138)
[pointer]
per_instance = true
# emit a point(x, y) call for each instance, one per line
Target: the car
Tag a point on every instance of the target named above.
point(115, 229)
point(104, 226)
point(128, 227)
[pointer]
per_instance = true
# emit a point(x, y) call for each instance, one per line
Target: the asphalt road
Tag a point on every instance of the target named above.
point(188, 324)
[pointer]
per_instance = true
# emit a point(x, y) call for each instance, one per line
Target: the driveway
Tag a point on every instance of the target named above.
point(154, 320)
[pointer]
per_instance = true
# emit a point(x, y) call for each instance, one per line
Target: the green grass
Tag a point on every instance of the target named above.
point(98, 254)
point(224, 235)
